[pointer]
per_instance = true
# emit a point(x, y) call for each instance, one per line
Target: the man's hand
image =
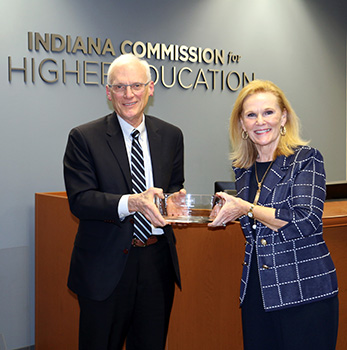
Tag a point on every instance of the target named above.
point(175, 204)
point(144, 203)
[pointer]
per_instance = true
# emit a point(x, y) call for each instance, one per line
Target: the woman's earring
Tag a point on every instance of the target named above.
point(244, 135)
point(283, 130)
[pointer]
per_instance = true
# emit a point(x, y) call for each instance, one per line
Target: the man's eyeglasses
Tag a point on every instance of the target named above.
point(121, 88)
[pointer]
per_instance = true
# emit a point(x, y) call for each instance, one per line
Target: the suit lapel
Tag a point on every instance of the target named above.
point(243, 177)
point(116, 142)
point(274, 176)
point(271, 180)
point(155, 147)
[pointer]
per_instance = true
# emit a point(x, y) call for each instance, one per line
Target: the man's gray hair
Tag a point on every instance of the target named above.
point(127, 58)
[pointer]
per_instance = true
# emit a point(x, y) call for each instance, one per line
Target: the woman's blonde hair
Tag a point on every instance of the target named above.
point(244, 151)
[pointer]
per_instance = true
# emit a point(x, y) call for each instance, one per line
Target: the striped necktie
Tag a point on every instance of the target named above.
point(142, 227)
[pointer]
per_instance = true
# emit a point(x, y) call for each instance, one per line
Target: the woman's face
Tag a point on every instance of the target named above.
point(262, 118)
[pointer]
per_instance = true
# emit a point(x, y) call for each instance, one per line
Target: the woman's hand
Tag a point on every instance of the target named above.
point(227, 209)
point(233, 207)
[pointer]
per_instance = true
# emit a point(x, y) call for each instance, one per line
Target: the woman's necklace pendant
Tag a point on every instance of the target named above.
point(257, 194)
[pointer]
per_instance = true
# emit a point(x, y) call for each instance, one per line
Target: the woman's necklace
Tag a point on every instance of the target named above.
point(260, 183)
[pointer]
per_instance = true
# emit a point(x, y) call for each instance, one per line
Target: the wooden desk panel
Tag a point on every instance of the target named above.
point(206, 312)
point(56, 308)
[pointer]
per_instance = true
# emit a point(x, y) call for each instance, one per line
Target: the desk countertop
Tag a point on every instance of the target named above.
point(335, 211)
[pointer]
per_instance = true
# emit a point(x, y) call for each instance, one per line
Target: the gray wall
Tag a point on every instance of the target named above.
point(300, 45)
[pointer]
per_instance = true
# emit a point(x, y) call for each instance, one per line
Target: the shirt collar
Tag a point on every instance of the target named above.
point(127, 128)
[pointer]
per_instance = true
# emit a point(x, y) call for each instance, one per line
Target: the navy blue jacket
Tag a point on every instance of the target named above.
point(294, 264)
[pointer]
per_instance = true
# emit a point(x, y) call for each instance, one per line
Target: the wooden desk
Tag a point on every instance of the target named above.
point(206, 313)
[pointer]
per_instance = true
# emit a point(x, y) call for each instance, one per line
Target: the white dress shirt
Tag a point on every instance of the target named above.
point(127, 129)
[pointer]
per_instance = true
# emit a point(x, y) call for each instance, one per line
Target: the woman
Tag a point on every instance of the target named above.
point(289, 285)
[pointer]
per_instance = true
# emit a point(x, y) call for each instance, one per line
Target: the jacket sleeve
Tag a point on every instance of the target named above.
point(177, 175)
point(305, 204)
point(87, 201)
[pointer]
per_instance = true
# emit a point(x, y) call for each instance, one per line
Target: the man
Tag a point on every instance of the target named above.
point(125, 283)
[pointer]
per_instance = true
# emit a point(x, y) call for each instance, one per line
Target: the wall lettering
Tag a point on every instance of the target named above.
point(196, 73)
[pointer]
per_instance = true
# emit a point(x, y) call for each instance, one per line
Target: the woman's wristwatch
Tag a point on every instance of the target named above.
point(250, 212)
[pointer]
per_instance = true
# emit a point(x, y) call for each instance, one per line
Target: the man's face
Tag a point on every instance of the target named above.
point(129, 104)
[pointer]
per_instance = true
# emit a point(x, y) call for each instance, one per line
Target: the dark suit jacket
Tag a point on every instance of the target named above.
point(97, 174)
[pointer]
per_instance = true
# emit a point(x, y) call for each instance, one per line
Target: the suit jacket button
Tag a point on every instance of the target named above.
point(263, 242)
point(125, 251)
point(131, 221)
point(265, 267)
